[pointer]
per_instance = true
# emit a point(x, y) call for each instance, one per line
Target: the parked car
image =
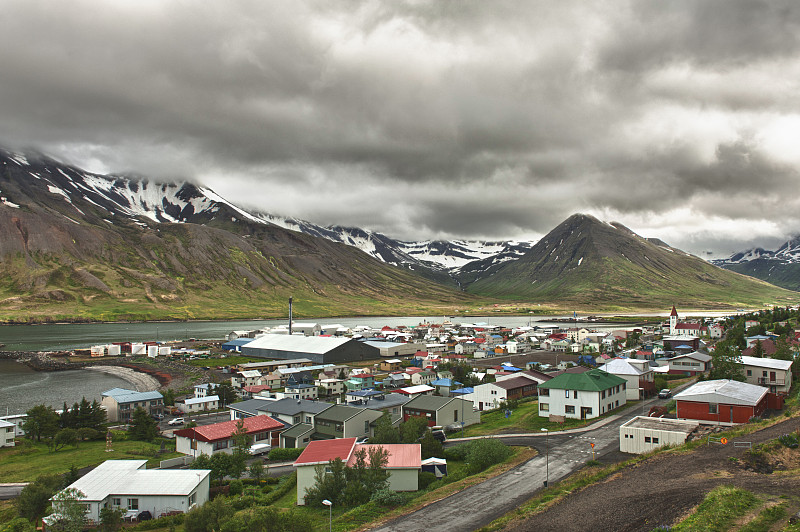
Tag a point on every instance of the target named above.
point(665, 394)
point(259, 448)
point(362, 439)
point(158, 417)
point(439, 435)
point(176, 421)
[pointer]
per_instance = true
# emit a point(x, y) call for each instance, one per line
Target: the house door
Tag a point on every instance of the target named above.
point(771, 376)
point(584, 411)
point(480, 406)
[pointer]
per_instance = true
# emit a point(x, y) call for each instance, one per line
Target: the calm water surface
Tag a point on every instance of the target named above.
point(23, 388)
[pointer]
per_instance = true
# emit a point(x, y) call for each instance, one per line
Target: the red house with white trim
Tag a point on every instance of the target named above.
point(722, 402)
point(218, 437)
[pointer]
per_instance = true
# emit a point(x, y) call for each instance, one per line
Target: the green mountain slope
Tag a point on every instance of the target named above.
point(586, 263)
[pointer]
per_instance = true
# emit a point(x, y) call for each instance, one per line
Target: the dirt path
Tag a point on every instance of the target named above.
point(662, 489)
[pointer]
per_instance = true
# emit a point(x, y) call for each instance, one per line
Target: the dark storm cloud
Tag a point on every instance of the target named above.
point(426, 119)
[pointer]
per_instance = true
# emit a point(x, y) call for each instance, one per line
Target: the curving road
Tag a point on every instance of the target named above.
point(561, 454)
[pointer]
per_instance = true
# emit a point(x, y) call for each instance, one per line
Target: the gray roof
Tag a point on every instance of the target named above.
point(290, 407)
point(696, 355)
point(725, 392)
point(251, 406)
point(429, 402)
point(342, 413)
point(658, 423)
point(297, 431)
point(389, 400)
point(126, 477)
point(286, 362)
point(380, 343)
point(306, 344)
point(122, 395)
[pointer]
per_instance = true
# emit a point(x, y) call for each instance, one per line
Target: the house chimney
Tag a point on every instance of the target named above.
point(290, 316)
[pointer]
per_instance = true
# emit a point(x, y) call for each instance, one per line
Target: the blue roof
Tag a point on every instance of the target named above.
point(444, 382)
point(684, 346)
point(462, 391)
point(238, 342)
point(511, 368)
point(121, 395)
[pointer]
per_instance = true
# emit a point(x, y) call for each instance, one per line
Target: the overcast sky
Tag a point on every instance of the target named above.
point(436, 119)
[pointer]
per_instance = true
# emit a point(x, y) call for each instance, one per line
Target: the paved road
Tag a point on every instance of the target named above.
point(10, 491)
point(561, 454)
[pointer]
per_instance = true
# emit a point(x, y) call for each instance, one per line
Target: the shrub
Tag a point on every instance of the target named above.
point(425, 479)
point(236, 487)
point(486, 452)
point(387, 497)
point(457, 452)
point(789, 440)
point(283, 455)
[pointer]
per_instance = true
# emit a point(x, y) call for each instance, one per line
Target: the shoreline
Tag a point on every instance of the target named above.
point(140, 380)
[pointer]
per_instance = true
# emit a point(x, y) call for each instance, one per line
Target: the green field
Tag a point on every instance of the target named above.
point(28, 460)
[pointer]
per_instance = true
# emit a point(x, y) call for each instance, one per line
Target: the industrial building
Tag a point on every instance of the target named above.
point(318, 349)
point(643, 434)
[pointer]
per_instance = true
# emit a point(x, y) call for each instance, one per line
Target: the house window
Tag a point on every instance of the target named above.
point(763, 373)
point(221, 444)
point(712, 408)
point(133, 504)
point(116, 502)
point(455, 415)
point(647, 439)
point(544, 392)
point(603, 394)
point(749, 372)
point(588, 410)
point(616, 403)
point(575, 394)
point(655, 440)
point(192, 498)
point(308, 420)
point(544, 407)
point(366, 427)
point(569, 409)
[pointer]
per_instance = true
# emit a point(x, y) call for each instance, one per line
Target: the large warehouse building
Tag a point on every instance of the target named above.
point(318, 349)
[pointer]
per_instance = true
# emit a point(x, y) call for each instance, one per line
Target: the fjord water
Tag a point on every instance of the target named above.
point(23, 388)
point(55, 337)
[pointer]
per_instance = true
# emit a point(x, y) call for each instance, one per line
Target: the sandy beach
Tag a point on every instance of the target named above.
point(141, 381)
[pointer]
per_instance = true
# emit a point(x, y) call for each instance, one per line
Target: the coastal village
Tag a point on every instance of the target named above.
point(304, 395)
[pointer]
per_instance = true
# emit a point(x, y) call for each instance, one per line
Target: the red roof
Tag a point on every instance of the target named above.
point(401, 455)
point(363, 376)
point(480, 340)
point(674, 312)
point(256, 388)
point(323, 451)
point(224, 430)
point(689, 326)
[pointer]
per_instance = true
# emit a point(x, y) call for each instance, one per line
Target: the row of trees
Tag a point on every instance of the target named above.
point(84, 421)
point(414, 430)
point(354, 485)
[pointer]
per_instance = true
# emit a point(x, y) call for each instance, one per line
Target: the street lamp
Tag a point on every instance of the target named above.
point(329, 504)
point(641, 398)
point(547, 455)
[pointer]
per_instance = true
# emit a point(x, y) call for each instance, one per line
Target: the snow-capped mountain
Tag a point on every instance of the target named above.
point(780, 267)
point(143, 200)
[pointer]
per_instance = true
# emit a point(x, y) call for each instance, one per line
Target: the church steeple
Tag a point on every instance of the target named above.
point(673, 321)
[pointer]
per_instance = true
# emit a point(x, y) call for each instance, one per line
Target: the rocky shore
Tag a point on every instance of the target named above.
point(141, 381)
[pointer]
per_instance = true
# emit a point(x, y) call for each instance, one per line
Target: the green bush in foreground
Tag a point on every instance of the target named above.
point(284, 455)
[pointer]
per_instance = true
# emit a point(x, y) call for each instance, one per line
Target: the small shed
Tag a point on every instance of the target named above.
point(643, 434)
point(437, 466)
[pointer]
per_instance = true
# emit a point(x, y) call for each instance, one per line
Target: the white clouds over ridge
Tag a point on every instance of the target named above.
point(430, 119)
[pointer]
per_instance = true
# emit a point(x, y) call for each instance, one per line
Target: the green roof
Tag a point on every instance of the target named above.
point(342, 413)
point(594, 380)
point(297, 431)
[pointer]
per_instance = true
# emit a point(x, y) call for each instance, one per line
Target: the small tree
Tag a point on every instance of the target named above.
point(431, 446)
point(330, 483)
point(142, 426)
point(413, 428)
point(35, 497)
point(65, 437)
point(726, 362)
point(384, 431)
point(110, 519)
point(256, 471)
point(226, 393)
point(68, 503)
point(758, 349)
point(41, 422)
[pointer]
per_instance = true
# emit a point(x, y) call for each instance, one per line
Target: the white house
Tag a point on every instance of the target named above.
point(246, 378)
point(490, 395)
point(581, 395)
point(7, 434)
point(218, 437)
point(301, 391)
point(130, 486)
point(203, 390)
point(120, 403)
point(198, 404)
point(638, 375)
point(772, 373)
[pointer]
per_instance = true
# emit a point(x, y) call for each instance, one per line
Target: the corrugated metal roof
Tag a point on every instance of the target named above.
point(515, 382)
point(198, 400)
point(302, 344)
point(401, 455)
point(620, 366)
point(125, 477)
point(290, 407)
point(725, 392)
point(122, 395)
point(323, 451)
point(224, 430)
point(770, 363)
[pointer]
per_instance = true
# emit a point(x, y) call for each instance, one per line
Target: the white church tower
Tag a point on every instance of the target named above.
point(673, 321)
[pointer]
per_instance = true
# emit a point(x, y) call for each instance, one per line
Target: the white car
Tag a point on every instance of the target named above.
point(259, 448)
point(176, 421)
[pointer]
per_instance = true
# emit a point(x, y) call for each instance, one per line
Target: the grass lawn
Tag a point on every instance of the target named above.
point(25, 462)
point(524, 418)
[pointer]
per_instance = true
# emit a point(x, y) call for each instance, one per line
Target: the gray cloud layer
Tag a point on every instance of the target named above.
point(431, 119)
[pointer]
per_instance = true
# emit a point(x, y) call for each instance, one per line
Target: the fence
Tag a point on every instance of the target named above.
point(176, 462)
